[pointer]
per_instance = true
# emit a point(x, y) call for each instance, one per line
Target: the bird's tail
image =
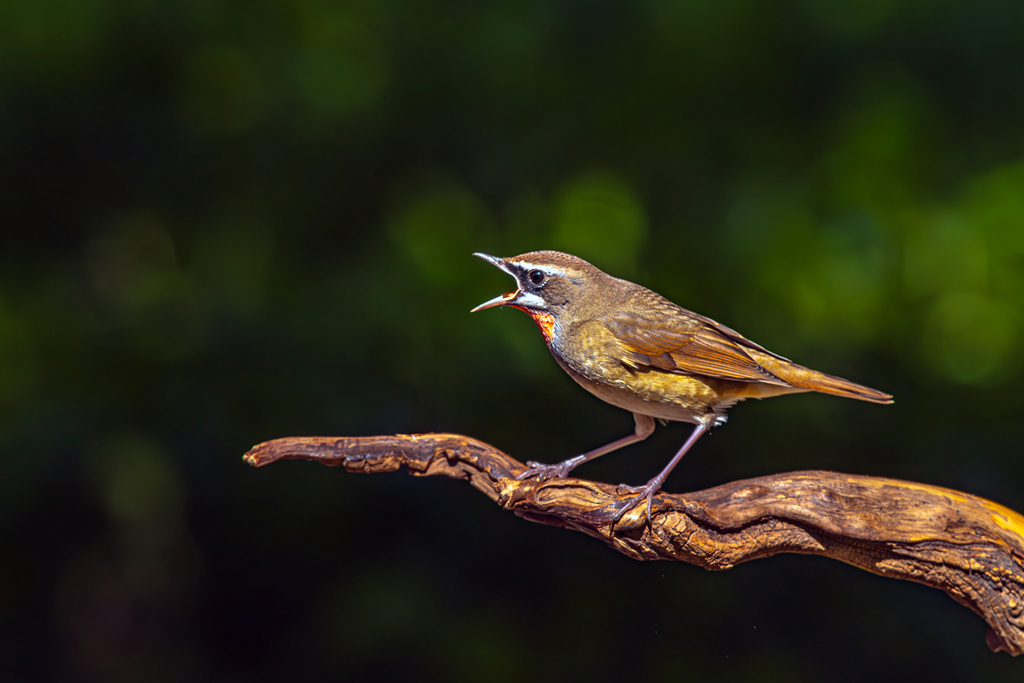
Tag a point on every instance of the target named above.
point(812, 380)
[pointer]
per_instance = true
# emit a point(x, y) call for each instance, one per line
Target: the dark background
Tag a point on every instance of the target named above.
point(226, 222)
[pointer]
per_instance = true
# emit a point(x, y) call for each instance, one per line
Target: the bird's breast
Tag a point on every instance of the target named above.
point(594, 360)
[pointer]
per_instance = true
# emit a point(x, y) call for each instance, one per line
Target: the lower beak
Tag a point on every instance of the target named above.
point(497, 301)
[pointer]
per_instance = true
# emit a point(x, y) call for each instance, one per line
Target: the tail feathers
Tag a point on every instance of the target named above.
point(837, 386)
point(812, 380)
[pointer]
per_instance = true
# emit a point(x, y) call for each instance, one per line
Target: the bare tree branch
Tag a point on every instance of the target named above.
point(967, 546)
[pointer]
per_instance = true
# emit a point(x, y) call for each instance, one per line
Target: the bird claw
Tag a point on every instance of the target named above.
point(645, 492)
point(543, 472)
point(559, 470)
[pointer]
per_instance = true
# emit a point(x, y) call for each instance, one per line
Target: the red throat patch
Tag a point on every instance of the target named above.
point(545, 321)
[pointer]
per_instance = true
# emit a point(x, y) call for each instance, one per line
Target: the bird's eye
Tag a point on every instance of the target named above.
point(536, 276)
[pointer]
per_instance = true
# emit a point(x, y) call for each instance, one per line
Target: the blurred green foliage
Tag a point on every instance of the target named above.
point(225, 222)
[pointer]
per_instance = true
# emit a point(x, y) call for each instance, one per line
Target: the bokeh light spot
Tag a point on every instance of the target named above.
point(599, 217)
point(972, 338)
point(136, 482)
point(437, 229)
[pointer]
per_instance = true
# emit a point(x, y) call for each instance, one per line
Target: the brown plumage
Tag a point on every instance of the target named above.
point(637, 350)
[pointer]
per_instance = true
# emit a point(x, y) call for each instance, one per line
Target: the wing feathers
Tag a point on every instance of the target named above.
point(685, 344)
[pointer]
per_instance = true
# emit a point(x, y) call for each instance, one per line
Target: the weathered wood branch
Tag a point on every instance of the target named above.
point(967, 546)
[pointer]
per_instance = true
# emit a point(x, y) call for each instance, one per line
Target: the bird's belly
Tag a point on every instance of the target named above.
point(681, 398)
point(685, 410)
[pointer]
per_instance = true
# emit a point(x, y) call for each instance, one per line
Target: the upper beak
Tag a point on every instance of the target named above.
point(498, 300)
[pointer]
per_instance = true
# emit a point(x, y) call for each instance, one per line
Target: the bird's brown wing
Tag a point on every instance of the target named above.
point(672, 339)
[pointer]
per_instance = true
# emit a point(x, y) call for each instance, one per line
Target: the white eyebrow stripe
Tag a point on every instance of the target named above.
point(547, 268)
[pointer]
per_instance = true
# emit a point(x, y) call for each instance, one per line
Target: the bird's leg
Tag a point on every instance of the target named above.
point(644, 428)
point(647, 491)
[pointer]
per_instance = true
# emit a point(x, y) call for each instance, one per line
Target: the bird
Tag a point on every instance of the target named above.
point(638, 351)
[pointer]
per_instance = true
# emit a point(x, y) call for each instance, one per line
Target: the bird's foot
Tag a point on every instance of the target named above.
point(557, 471)
point(643, 493)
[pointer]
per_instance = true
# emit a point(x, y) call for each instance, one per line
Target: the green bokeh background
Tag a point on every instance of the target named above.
point(225, 222)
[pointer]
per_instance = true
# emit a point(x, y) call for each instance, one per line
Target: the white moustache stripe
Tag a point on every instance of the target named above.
point(530, 300)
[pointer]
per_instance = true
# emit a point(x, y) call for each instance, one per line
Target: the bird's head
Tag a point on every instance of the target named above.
point(549, 283)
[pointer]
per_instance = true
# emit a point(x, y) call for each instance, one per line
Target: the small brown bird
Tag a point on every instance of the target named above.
point(639, 351)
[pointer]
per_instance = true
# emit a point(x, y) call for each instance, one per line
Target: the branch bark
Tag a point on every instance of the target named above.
point(971, 548)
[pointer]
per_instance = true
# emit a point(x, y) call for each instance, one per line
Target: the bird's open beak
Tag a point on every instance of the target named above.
point(497, 301)
point(506, 298)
